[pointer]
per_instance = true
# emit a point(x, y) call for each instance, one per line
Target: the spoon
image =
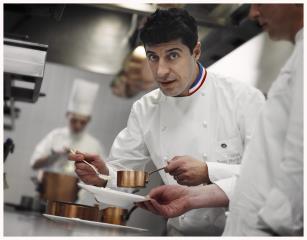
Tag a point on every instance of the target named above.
point(101, 176)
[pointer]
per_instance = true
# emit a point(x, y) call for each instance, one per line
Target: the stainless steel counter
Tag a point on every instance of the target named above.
point(21, 223)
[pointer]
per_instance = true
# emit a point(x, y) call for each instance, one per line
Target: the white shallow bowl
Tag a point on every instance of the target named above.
point(113, 197)
point(92, 223)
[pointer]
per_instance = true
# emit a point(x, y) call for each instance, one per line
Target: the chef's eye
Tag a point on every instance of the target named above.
point(152, 58)
point(173, 55)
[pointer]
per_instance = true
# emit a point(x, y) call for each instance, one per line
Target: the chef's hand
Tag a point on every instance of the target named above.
point(174, 200)
point(168, 200)
point(188, 171)
point(85, 172)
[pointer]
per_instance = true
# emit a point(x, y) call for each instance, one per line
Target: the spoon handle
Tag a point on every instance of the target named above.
point(159, 169)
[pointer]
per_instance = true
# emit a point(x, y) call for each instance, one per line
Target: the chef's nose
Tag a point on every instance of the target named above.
point(162, 69)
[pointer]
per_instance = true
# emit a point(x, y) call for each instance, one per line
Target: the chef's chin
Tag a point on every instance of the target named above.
point(169, 92)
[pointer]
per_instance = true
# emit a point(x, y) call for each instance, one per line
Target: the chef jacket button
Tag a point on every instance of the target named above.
point(165, 158)
point(205, 124)
point(203, 93)
point(182, 216)
point(205, 156)
point(163, 128)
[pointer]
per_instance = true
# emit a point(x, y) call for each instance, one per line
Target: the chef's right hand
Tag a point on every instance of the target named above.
point(85, 172)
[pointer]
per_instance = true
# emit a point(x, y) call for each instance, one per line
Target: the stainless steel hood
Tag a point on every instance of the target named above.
point(97, 37)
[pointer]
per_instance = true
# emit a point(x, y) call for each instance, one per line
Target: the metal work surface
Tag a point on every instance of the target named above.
point(22, 223)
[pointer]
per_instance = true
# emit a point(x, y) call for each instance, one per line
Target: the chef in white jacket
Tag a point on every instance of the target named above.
point(268, 198)
point(197, 123)
point(50, 154)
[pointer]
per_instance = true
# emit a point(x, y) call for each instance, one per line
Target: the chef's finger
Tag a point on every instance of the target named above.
point(177, 172)
point(75, 157)
point(150, 207)
point(159, 208)
point(141, 205)
point(157, 192)
point(81, 172)
point(173, 165)
point(176, 158)
point(84, 167)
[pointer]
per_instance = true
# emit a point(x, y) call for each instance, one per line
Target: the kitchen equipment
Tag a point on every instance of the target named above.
point(112, 197)
point(55, 186)
point(134, 179)
point(111, 215)
point(91, 223)
point(73, 210)
point(101, 176)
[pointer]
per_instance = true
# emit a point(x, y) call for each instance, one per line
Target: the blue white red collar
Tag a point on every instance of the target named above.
point(200, 79)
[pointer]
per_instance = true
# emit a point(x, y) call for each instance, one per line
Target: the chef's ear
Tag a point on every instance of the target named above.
point(197, 51)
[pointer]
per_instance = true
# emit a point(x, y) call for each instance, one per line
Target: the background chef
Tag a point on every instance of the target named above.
point(197, 123)
point(50, 154)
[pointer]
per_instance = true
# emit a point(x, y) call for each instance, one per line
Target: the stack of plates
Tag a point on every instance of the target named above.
point(113, 197)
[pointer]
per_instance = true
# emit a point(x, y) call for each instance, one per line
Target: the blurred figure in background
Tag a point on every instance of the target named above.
point(51, 152)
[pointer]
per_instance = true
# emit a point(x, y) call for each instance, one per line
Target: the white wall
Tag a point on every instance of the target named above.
point(256, 62)
point(36, 120)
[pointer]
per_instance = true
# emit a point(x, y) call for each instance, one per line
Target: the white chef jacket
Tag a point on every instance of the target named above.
point(268, 198)
point(221, 112)
point(59, 138)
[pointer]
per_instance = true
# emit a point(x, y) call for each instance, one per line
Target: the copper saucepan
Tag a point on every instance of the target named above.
point(60, 187)
point(134, 179)
point(112, 215)
point(73, 210)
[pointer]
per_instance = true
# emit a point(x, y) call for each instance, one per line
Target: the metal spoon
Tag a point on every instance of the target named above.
point(101, 176)
point(157, 170)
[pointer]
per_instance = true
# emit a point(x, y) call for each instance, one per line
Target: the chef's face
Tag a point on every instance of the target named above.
point(173, 66)
point(276, 19)
point(77, 123)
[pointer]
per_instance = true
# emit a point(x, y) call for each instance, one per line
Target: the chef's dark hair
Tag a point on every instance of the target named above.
point(168, 25)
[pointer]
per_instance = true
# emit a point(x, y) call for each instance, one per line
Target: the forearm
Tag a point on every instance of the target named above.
point(207, 197)
point(43, 162)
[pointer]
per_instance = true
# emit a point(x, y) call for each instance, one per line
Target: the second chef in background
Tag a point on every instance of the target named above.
point(50, 154)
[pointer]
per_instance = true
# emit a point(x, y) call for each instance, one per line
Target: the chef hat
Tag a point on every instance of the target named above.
point(82, 97)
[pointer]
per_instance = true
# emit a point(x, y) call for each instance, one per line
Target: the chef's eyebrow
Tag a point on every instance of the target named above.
point(169, 50)
point(150, 52)
point(174, 49)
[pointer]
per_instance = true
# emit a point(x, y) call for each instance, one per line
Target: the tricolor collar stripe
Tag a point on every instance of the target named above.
point(199, 82)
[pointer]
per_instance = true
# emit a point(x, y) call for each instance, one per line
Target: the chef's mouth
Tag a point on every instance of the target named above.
point(166, 83)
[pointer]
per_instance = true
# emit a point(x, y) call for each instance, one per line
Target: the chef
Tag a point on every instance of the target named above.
point(268, 198)
point(50, 154)
point(197, 123)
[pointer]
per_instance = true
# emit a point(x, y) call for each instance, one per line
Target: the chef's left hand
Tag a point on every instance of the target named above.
point(188, 171)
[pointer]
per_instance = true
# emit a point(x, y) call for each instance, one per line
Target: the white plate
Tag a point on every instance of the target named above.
point(92, 223)
point(113, 197)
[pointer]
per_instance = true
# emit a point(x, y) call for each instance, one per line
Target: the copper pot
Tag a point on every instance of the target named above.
point(73, 210)
point(133, 179)
point(112, 215)
point(55, 186)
